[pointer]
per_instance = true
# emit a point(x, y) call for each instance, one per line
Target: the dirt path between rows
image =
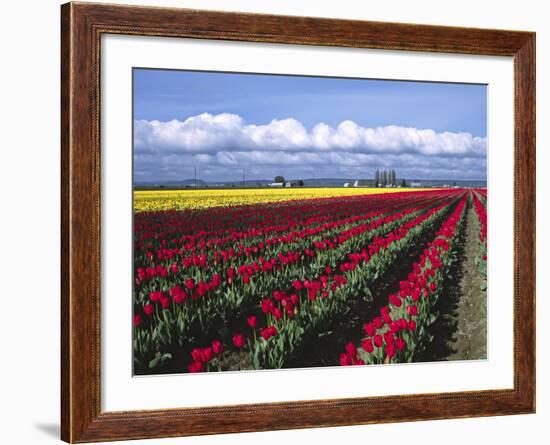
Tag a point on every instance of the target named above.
point(471, 312)
point(460, 331)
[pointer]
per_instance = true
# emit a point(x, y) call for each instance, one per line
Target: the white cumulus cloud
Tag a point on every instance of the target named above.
point(224, 135)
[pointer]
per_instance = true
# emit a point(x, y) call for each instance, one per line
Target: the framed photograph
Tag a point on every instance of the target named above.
point(274, 222)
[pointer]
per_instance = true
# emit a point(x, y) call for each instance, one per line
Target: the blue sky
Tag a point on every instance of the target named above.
point(333, 127)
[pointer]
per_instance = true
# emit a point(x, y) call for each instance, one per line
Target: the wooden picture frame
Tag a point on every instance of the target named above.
point(82, 26)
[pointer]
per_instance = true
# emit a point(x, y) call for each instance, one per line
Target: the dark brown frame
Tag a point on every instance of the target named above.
point(81, 28)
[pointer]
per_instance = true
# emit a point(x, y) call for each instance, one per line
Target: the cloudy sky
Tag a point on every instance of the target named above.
point(304, 127)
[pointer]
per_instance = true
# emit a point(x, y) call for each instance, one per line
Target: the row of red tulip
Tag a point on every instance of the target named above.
point(169, 319)
point(171, 256)
point(200, 229)
point(481, 213)
point(259, 245)
point(299, 309)
point(204, 282)
point(267, 307)
point(401, 329)
point(227, 222)
point(193, 290)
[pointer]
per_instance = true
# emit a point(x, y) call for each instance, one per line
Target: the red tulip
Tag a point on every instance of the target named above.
point(351, 349)
point(207, 354)
point(190, 283)
point(378, 341)
point(367, 345)
point(165, 302)
point(268, 332)
point(217, 347)
point(137, 320)
point(196, 354)
point(267, 305)
point(395, 300)
point(148, 309)
point(217, 279)
point(400, 343)
point(238, 340)
point(345, 360)
point(402, 323)
point(265, 333)
point(312, 294)
point(252, 321)
point(201, 288)
point(196, 367)
point(155, 296)
point(180, 297)
point(390, 350)
point(370, 330)
point(230, 274)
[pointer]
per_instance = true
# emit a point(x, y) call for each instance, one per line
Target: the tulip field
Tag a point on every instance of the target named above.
point(154, 200)
point(228, 280)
